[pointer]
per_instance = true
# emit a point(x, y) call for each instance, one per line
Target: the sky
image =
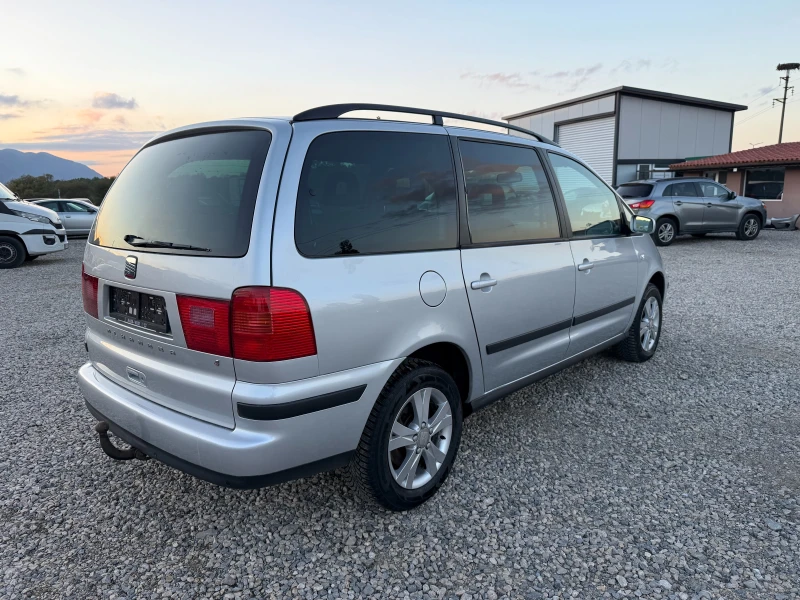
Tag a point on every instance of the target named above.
point(93, 81)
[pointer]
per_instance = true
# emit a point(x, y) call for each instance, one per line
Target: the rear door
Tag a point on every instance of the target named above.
point(721, 212)
point(77, 216)
point(605, 260)
point(689, 206)
point(517, 265)
point(185, 223)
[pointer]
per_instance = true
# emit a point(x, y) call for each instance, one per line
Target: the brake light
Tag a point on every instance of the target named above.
point(89, 292)
point(270, 324)
point(642, 204)
point(206, 324)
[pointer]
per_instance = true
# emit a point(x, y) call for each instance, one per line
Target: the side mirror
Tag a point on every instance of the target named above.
point(639, 224)
point(731, 195)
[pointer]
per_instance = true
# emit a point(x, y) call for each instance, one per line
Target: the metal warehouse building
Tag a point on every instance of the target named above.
point(628, 133)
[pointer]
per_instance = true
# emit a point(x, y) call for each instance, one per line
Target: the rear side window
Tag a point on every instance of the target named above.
point(685, 188)
point(373, 192)
point(194, 195)
point(635, 190)
point(508, 197)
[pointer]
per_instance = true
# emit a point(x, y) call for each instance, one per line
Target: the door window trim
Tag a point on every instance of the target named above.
point(465, 236)
point(623, 224)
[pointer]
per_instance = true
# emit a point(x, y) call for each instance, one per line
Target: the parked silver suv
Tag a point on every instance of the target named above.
point(694, 205)
point(270, 298)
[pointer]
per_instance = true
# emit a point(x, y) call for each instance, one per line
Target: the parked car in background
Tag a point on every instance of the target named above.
point(77, 215)
point(269, 298)
point(693, 205)
point(27, 230)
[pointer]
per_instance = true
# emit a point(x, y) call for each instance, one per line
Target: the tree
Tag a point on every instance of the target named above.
point(44, 186)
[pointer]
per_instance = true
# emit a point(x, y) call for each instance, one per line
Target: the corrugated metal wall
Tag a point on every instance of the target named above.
point(593, 142)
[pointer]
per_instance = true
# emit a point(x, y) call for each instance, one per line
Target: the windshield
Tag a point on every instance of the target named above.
point(194, 195)
point(6, 194)
point(635, 190)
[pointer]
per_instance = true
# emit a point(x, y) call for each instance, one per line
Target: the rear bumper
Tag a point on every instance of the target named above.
point(256, 452)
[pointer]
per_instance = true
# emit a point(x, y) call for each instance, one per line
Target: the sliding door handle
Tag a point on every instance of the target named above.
point(483, 284)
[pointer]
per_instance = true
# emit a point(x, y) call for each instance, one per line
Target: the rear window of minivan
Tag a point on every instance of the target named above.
point(192, 195)
point(635, 190)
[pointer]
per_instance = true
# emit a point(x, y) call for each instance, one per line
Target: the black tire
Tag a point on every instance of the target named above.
point(631, 348)
point(749, 228)
point(667, 224)
point(370, 470)
point(12, 252)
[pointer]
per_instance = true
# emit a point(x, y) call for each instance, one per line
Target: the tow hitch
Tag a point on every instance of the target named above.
point(109, 448)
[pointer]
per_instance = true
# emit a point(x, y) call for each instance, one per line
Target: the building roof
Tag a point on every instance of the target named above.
point(777, 154)
point(641, 93)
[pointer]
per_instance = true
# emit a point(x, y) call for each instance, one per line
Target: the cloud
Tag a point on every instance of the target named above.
point(510, 80)
point(16, 71)
point(7, 116)
point(632, 66)
point(87, 141)
point(110, 101)
point(13, 101)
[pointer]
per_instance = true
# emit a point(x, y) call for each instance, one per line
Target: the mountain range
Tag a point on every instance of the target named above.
point(14, 163)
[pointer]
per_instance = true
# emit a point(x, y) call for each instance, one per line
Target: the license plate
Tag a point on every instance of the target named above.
point(139, 309)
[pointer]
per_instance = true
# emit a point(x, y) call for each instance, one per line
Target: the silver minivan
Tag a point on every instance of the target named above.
point(270, 298)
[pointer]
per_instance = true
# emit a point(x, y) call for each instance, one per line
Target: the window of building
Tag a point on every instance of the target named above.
point(373, 192)
point(592, 207)
point(722, 177)
point(764, 184)
point(508, 197)
point(681, 189)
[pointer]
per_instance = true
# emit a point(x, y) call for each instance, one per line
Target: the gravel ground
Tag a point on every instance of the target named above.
point(679, 478)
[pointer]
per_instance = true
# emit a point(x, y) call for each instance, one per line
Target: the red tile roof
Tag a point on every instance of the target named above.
point(775, 154)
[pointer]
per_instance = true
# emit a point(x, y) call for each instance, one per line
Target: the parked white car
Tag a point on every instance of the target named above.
point(27, 230)
point(77, 214)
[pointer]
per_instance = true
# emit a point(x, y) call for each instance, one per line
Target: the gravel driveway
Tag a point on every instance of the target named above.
point(679, 478)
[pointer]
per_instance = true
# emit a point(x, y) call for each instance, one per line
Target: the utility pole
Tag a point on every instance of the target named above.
point(788, 67)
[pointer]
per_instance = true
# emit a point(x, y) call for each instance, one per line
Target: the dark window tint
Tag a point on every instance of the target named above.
point(635, 190)
point(723, 177)
point(372, 192)
point(681, 189)
point(198, 191)
point(508, 197)
point(592, 207)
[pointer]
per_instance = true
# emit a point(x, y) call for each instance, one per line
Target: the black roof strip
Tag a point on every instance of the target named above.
point(334, 111)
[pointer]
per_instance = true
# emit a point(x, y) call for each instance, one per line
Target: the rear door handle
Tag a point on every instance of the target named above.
point(585, 265)
point(678, 203)
point(483, 283)
point(709, 205)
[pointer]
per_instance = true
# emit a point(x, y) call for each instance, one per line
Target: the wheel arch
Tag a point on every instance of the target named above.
point(672, 217)
point(453, 359)
point(660, 281)
point(16, 236)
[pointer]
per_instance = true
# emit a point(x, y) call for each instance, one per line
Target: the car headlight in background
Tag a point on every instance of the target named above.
point(31, 216)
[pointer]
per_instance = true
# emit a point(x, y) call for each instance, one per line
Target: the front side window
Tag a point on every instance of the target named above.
point(592, 207)
point(681, 189)
point(6, 194)
point(712, 190)
point(508, 196)
point(76, 207)
point(375, 192)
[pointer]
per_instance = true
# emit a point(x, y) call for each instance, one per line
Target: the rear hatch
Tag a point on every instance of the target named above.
point(172, 241)
point(637, 195)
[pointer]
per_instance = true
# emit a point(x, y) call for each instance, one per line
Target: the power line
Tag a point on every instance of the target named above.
point(753, 116)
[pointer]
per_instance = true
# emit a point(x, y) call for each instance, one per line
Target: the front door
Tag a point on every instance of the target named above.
point(606, 263)
point(517, 266)
point(76, 217)
point(689, 206)
point(721, 212)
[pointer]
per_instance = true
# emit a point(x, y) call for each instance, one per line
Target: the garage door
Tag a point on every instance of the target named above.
point(593, 142)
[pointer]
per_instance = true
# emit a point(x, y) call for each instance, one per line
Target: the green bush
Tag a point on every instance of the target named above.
point(44, 186)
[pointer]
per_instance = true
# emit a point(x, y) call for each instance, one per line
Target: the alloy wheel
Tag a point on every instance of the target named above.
point(666, 232)
point(750, 227)
point(420, 438)
point(649, 325)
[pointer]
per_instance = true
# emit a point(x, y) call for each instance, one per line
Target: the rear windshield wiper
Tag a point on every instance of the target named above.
point(140, 242)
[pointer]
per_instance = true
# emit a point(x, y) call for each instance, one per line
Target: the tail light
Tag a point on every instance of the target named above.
point(270, 324)
point(260, 324)
point(89, 292)
point(642, 204)
point(206, 324)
